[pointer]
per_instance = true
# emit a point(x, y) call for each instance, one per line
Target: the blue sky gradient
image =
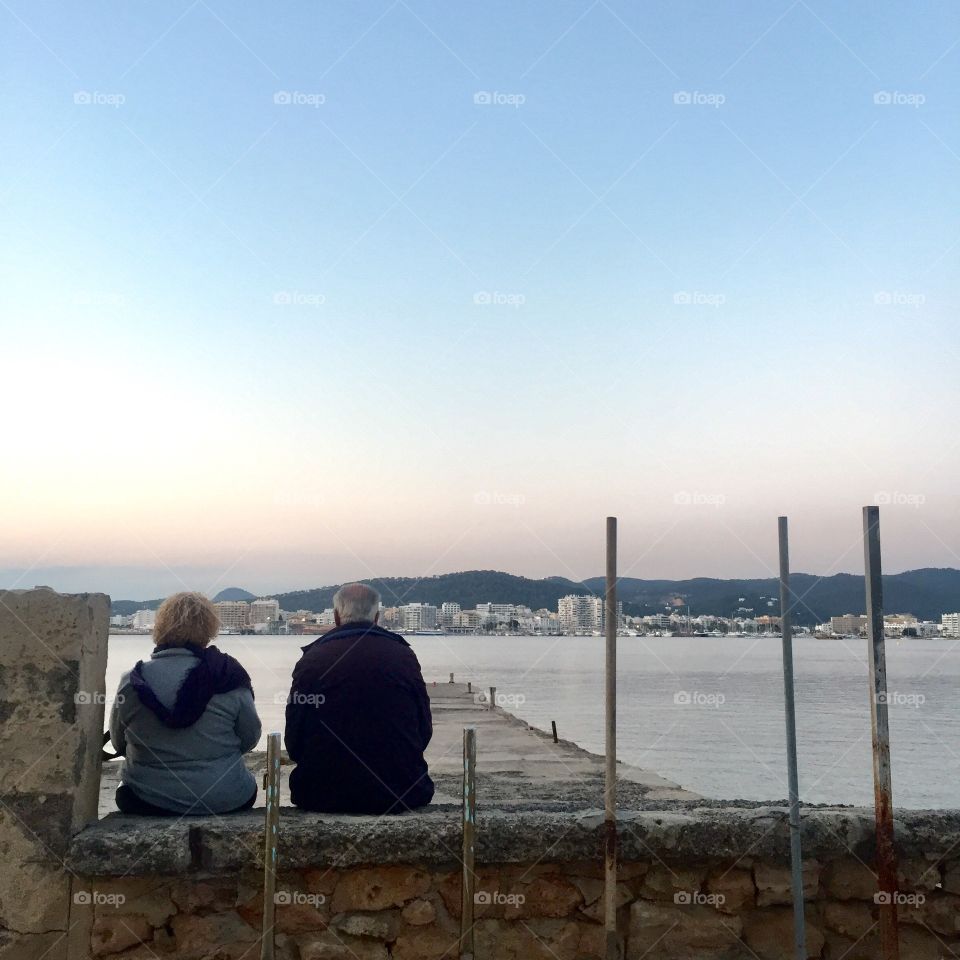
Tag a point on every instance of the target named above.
point(279, 297)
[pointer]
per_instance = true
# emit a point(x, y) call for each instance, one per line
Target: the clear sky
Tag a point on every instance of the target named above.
point(295, 293)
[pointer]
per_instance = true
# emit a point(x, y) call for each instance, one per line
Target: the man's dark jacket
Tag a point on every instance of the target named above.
point(358, 721)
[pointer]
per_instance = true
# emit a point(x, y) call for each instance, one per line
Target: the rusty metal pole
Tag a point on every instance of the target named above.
point(796, 854)
point(882, 782)
point(271, 783)
point(610, 755)
point(468, 885)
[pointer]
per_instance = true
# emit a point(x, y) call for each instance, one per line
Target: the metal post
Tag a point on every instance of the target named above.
point(610, 765)
point(796, 855)
point(469, 687)
point(271, 835)
point(553, 725)
point(882, 783)
point(493, 698)
point(469, 826)
point(451, 678)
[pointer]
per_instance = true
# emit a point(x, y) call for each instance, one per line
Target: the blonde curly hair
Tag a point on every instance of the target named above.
point(186, 618)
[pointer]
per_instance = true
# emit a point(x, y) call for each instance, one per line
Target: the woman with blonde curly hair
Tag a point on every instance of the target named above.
point(184, 719)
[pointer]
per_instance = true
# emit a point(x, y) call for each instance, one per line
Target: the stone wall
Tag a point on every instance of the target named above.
point(714, 910)
point(53, 653)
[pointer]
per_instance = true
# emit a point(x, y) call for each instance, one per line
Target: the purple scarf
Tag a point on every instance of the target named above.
point(216, 672)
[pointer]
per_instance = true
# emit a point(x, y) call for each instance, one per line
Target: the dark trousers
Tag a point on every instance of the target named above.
point(132, 803)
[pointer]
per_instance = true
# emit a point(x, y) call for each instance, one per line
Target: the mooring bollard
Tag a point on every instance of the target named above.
point(469, 687)
point(271, 785)
point(451, 678)
point(468, 883)
point(493, 698)
point(553, 725)
point(879, 720)
point(610, 765)
point(789, 709)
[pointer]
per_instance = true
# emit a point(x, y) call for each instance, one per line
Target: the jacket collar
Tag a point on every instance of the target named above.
point(355, 629)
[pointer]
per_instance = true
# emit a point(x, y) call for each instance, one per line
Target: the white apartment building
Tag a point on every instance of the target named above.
point(580, 614)
point(417, 616)
point(144, 619)
point(951, 624)
point(234, 614)
point(264, 610)
point(466, 620)
point(447, 612)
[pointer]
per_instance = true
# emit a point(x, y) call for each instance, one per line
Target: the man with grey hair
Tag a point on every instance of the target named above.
point(358, 716)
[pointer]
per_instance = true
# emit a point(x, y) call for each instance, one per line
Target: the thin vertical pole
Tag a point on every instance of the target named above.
point(553, 726)
point(882, 781)
point(610, 766)
point(796, 854)
point(493, 698)
point(271, 836)
point(469, 827)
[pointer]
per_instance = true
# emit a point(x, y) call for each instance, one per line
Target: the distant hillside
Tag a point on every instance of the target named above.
point(468, 589)
point(927, 593)
point(234, 593)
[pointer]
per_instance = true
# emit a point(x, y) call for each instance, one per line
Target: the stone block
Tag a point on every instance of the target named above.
point(664, 882)
point(378, 888)
point(417, 913)
point(733, 888)
point(669, 930)
point(775, 884)
point(849, 879)
point(114, 932)
point(769, 934)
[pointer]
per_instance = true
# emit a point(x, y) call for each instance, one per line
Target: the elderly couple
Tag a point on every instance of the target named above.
point(358, 718)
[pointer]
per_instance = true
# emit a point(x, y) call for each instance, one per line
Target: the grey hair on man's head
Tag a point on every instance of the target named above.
point(356, 603)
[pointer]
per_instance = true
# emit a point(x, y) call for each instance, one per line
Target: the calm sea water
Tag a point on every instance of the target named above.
point(704, 712)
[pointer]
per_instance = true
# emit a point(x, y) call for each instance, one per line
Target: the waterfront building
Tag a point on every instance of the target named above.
point(144, 620)
point(849, 623)
point(580, 614)
point(264, 610)
point(417, 616)
point(448, 611)
point(950, 623)
point(466, 620)
point(234, 614)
